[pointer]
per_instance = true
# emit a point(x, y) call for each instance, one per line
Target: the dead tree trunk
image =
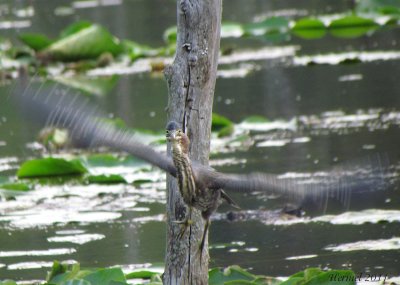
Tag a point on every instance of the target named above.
point(191, 81)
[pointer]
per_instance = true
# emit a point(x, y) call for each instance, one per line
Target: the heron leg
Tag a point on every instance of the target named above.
point(203, 239)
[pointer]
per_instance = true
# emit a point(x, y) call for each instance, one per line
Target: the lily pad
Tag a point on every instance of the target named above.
point(8, 282)
point(268, 26)
point(351, 26)
point(36, 42)
point(142, 274)
point(106, 276)
point(309, 28)
point(50, 167)
point(231, 273)
point(18, 186)
point(136, 50)
point(315, 276)
point(170, 34)
point(74, 28)
point(87, 43)
point(255, 119)
point(219, 122)
point(106, 179)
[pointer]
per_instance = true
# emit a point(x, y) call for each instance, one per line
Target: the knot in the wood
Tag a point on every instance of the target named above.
point(183, 4)
point(187, 46)
point(193, 59)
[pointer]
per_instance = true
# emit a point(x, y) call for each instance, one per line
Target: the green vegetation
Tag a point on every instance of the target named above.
point(63, 274)
point(222, 125)
point(45, 167)
point(83, 45)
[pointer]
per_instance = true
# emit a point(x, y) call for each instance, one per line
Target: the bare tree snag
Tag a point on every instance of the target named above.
point(191, 82)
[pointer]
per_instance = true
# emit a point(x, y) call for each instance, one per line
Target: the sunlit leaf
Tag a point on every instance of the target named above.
point(351, 26)
point(50, 167)
point(36, 42)
point(16, 186)
point(170, 34)
point(74, 28)
point(309, 28)
point(293, 281)
point(87, 43)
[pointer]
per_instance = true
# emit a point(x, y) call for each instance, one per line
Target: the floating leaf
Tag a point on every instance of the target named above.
point(16, 186)
point(255, 119)
point(343, 277)
point(105, 276)
point(270, 25)
point(106, 179)
point(136, 50)
point(8, 282)
point(351, 26)
point(219, 122)
point(315, 276)
point(309, 28)
point(76, 282)
point(74, 28)
point(217, 276)
point(170, 34)
point(87, 43)
point(226, 131)
point(139, 182)
point(143, 274)
point(50, 167)
point(36, 42)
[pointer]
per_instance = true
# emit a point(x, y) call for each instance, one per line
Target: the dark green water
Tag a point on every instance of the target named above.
point(341, 118)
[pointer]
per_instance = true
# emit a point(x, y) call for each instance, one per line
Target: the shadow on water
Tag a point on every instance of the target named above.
point(320, 116)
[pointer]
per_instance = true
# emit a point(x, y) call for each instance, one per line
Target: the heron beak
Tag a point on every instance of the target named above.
point(171, 136)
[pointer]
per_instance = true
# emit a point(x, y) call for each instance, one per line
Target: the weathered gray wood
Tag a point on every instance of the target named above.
point(191, 81)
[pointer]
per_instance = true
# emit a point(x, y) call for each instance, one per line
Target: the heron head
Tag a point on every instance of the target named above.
point(174, 132)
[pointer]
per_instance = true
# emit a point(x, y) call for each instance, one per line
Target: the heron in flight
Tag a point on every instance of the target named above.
point(200, 186)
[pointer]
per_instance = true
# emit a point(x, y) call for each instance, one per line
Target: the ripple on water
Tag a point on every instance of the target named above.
point(77, 239)
point(371, 245)
point(29, 219)
point(35, 264)
point(48, 252)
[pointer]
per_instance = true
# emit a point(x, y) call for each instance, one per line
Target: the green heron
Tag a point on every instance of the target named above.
point(200, 185)
point(194, 193)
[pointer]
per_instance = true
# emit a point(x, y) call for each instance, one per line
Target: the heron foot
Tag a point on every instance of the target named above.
point(184, 225)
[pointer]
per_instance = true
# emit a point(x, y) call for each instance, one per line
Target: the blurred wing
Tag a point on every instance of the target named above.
point(62, 109)
point(340, 182)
